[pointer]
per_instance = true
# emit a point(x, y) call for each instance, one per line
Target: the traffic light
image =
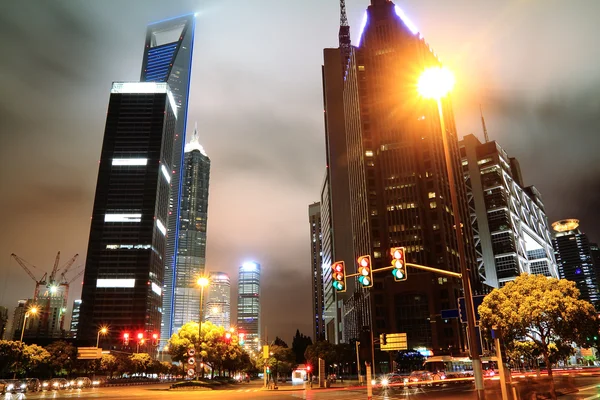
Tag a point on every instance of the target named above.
point(242, 337)
point(126, 339)
point(383, 338)
point(155, 339)
point(339, 276)
point(366, 353)
point(399, 263)
point(140, 336)
point(268, 369)
point(228, 336)
point(365, 272)
point(308, 368)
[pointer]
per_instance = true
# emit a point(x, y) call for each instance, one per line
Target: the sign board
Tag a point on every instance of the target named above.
point(191, 372)
point(587, 353)
point(89, 353)
point(462, 308)
point(395, 342)
point(265, 352)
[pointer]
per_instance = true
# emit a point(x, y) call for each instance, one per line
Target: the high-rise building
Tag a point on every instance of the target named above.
point(316, 261)
point(511, 230)
point(248, 307)
point(168, 58)
point(398, 186)
point(218, 300)
point(191, 247)
point(575, 258)
point(51, 302)
point(124, 270)
point(75, 317)
point(14, 331)
point(3, 321)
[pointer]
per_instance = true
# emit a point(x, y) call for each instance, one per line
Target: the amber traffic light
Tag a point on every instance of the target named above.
point(339, 276)
point(399, 263)
point(365, 271)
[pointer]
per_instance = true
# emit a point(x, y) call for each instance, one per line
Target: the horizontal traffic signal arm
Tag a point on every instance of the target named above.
point(417, 266)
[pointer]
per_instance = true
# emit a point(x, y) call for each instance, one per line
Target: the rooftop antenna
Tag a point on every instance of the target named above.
point(485, 132)
point(344, 36)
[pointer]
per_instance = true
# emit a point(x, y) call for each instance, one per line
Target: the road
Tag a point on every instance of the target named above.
point(589, 389)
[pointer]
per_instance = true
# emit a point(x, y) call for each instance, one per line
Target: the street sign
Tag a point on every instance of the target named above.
point(395, 342)
point(462, 308)
point(191, 352)
point(265, 352)
point(191, 361)
point(191, 372)
point(89, 353)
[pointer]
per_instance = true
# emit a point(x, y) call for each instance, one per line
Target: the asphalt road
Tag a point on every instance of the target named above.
point(589, 389)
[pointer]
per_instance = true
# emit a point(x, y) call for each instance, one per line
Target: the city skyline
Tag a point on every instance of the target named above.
point(531, 116)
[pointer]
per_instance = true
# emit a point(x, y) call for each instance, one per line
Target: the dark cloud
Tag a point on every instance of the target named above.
point(257, 97)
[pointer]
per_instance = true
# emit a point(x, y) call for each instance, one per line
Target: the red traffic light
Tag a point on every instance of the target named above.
point(339, 276)
point(140, 336)
point(365, 273)
point(126, 335)
point(155, 336)
point(308, 368)
point(399, 263)
point(228, 335)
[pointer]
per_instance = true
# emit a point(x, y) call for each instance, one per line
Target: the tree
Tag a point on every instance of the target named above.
point(140, 362)
point(279, 342)
point(299, 345)
point(108, 364)
point(10, 354)
point(63, 356)
point(545, 311)
point(322, 349)
point(34, 357)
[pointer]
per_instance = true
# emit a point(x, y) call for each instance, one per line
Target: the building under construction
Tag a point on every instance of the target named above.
point(46, 310)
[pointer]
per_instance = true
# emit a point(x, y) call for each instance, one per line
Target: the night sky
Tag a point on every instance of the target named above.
point(257, 97)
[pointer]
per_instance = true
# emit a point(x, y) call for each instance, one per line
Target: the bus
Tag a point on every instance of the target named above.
point(459, 367)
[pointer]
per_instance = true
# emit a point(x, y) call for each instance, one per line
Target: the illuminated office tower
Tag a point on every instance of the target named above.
point(316, 263)
point(168, 56)
point(248, 308)
point(75, 317)
point(124, 269)
point(217, 307)
point(399, 193)
point(191, 246)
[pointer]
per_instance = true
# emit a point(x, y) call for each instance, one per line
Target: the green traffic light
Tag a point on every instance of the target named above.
point(338, 285)
point(364, 280)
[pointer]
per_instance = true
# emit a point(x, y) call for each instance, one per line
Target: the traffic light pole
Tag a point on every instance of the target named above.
point(417, 266)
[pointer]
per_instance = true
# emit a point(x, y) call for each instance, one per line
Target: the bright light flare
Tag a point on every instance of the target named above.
point(202, 281)
point(435, 82)
point(33, 310)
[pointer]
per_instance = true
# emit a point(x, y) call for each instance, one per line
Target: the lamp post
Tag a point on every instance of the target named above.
point(103, 330)
point(32, 311)
point(202, 282)
point(436, 83)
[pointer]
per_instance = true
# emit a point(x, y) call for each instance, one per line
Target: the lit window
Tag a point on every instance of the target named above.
point(165, 173)
point(431, 195)
point(122, 217)
point(377, 254)
point(115, 283)
point(129, 161)
point(156, 289)
point(161, 227)
point(433, 204)
point(436, 227)
point(465, 162)
point(369, 153)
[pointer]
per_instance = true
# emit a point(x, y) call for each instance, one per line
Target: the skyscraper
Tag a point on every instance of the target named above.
point(248, 307)
point(191, 247)
point(124, 270)
point(14, 331)
point(3, 321)
point(575, 258)
point(316, 261)
point(75, 317)
point(512, 234)
point(398, 186)
point(218, 300)
point(168, 56)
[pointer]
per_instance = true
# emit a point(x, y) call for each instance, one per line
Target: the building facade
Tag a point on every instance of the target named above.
point(3, 321)
point(248, 307)
point(191, 246)
point(124, 270)
point(75, 312)
point(167, 58)
point(316, 261)
point(512, 234)
point(16, 324)
point(575, 259)
point(51, 302)
point(398, 186)
point(218, 300)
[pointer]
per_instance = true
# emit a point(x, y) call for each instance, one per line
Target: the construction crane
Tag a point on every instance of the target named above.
point(66, 268)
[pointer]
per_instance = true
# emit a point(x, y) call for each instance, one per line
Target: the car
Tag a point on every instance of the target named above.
point(419, 378)
point(57, 384)
point(15, 386)
point(33, 384)
point(80, 383)
point(3, 387)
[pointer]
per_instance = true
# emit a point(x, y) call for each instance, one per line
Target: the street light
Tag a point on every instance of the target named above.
point(32, 311)
point(202, 282)
point(435, 83)
point(103, 330)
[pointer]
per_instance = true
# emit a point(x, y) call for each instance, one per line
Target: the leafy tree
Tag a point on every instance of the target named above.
point(299, 345)
point(545, 311)
point(10, 354)
point(63, 357)
point(34, 357)
point(322, 349)
point(140, 362)
point(279, 342)
point(108, 364)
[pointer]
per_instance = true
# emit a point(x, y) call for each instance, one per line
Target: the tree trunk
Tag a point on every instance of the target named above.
point(549, 368)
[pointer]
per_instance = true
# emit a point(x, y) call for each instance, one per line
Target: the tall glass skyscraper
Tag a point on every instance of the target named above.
point(124, 269)
point(248, 308)
point(191, 247)
point(168, 58)
point(218, 301)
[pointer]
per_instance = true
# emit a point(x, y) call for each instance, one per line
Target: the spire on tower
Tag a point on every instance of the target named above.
point(485, 132)
point(344, 36)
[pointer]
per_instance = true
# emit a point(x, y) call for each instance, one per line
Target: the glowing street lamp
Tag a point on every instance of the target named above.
point(32, 311)
point(103, 330)
point(436, 83)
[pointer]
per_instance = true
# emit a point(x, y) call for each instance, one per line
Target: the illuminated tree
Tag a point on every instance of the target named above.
point(546, 312)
